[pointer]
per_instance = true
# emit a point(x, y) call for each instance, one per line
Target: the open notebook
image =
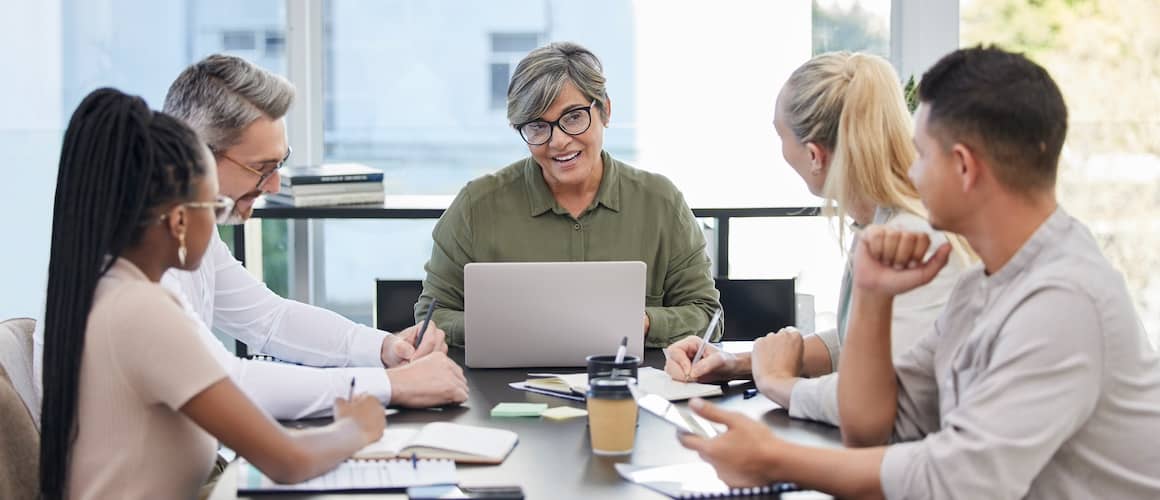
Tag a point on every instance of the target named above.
point(693, 480)
point(652, 381)
point(461, 443)
point(355, 476)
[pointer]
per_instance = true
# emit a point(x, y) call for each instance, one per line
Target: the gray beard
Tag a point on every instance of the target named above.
point(234, 219)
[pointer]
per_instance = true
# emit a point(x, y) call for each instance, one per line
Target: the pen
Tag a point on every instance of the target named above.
point(414, 461)
point(427, 319)
point(350, 395)
point(620, 350)
point(749, 393)
point(704, 342)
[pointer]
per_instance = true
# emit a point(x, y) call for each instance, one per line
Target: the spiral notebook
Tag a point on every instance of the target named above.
point(462, 443)
point(694, 480)
point(355, 476)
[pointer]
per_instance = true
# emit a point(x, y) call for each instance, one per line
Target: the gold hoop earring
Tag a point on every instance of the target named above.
point(181, 250)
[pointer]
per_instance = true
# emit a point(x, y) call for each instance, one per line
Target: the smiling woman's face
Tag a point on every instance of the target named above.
point(570, 160)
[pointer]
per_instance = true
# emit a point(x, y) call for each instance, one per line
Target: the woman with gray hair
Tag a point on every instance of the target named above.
point(571, 201)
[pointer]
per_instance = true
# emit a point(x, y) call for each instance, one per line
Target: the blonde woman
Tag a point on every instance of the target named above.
point(845, 130)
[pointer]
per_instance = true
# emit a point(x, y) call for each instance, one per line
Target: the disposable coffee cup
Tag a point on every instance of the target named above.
point(605, 366)
point(611, 415)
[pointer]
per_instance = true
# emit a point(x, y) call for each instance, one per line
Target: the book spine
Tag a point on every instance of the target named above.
point(328, 179)
point(333, 188)
point(328, 200)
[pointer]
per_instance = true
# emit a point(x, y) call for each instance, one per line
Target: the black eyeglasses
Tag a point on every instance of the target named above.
point(262, 174)
point(574, 122)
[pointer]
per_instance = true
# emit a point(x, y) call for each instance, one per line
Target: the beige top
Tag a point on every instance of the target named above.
point(913, 316)
point(1036, 382)
point(142, 361)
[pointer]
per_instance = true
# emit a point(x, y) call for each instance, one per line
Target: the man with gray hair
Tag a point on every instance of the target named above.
point(238, 109)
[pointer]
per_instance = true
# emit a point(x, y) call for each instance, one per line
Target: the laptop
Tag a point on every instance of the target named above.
point(551, 314)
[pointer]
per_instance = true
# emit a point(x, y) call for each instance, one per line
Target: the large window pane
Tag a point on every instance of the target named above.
point(853, 25)
point(418, 89)
point(1103, 55)
point(66, 48)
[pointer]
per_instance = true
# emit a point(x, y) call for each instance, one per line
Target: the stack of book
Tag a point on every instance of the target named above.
point(329, 184)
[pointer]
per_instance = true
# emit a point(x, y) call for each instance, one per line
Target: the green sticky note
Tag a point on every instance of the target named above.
point(518, 410)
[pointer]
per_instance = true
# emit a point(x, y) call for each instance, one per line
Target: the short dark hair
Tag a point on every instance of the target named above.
point(1004, 106)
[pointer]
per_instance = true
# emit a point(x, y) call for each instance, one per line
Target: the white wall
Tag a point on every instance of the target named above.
point(30, 128)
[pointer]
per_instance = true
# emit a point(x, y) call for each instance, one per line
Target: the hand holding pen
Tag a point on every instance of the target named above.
point(365, 410)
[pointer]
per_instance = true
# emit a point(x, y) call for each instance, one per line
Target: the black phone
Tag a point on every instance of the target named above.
point(452, 491)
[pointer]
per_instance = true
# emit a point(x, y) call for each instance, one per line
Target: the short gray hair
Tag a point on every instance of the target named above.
point(540, 76)
point(221, 95)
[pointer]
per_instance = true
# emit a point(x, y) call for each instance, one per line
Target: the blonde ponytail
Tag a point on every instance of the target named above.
point(852, 105)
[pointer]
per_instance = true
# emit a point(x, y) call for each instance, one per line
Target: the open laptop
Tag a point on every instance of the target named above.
point(551, 314)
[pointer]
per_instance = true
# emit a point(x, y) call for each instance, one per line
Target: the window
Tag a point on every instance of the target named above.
point(857, 26)
point(138, 46)
point(238, 41)
point(506, 51)
point(275, 43)
point(433, 118)
point(1109, 173)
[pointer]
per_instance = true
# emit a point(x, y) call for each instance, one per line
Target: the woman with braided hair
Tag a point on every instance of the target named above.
point(122, 417)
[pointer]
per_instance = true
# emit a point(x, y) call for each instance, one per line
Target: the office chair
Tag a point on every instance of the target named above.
point(756, 307)
point(20, 444)
point(395, 303)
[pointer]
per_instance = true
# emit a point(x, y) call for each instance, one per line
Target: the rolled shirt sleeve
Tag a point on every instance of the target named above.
point(690, 297)
point(815, 399)
point(450, 252)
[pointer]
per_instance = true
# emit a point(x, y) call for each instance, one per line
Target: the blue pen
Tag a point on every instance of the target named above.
point(414, 461)
point(423, 329)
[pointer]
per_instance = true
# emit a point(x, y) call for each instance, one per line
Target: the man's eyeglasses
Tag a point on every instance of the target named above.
point(574, 122)
point(262, 173)
point(222, 207)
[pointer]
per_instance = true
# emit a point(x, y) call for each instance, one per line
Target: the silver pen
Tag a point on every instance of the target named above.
point(704, 342)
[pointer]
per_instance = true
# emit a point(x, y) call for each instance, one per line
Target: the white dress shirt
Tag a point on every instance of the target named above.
point(329, 349)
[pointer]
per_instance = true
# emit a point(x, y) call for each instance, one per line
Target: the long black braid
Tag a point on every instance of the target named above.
point(120, 165)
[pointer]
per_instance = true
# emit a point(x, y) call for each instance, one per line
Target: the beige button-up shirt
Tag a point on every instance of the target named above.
point(1037, 382)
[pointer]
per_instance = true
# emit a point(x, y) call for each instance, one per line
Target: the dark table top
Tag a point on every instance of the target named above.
point(553, 458)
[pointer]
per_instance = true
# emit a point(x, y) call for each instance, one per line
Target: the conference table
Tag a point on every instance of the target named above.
point(553, 459)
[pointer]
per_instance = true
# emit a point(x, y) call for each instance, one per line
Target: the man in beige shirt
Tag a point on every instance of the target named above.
point(1037, 380)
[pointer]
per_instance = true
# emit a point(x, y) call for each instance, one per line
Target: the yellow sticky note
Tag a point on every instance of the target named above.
point(563, 413)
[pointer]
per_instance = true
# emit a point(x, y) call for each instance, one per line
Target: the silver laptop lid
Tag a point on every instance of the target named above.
point(551, 314)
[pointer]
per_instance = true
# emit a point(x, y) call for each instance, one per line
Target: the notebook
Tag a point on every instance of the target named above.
point(461, 443)
point(694, 480)
point(652, 381)
point(354, 476)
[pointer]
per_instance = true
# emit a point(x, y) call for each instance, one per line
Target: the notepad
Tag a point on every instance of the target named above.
point(354, 476)
point(564, 413)
point(652, 381)
point(693, 480)
point(461, 443)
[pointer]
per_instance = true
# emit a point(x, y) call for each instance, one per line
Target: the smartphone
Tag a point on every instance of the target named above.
point(683, 419)
point(452, 491)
